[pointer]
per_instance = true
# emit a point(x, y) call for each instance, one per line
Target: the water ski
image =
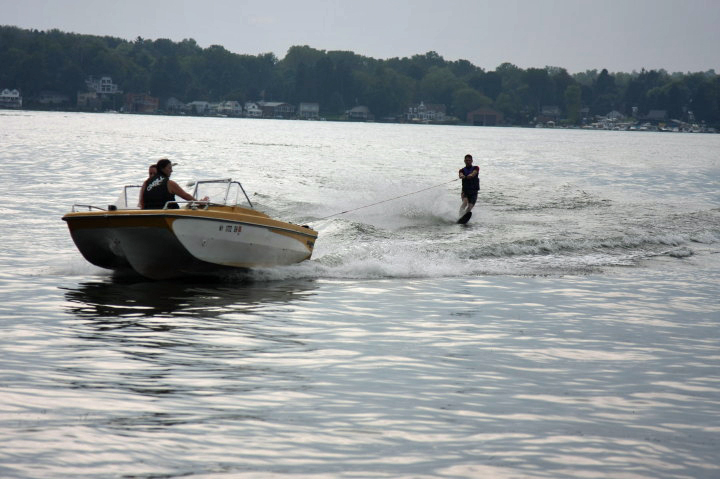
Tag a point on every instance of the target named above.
point(465, 218)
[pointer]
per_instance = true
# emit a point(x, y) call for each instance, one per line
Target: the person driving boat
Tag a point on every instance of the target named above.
point(160, 189)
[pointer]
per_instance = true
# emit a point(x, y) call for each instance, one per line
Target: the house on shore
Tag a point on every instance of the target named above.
point(141, 103)
point(197, 107)
point(98, 91)
point(103, 85)
point(432, 112)
point(52, 99)
point(10, 99)
point(656, 116)
point(615, 115)
point(173, 105)
point(549, 115)
point(308, 111)
point(276, 109)
point(230, 108)
point(359, 113)
point(252, 110)
point(484, 117)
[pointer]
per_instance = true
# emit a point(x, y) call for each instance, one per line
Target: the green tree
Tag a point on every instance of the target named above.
point(466, 100)
point(573, 95)
point(298, 55)
point(677, 97)
point(511, 76)
point(420, 65)
point(167, 78)
point(510, 106)
point(705, 101)
point(385, 92)
point(439, 85)
point(492, 84)
point(604, 94)
point(561, 80)
point(335, 104)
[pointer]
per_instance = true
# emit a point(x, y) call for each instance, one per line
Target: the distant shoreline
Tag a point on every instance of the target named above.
point(55, 70)
point(635, 125)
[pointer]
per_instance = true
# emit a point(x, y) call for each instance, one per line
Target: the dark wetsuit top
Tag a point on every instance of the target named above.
point(156, 193)
point(470, 185)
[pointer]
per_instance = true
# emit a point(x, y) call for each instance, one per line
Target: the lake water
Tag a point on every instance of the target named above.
point(570, 330)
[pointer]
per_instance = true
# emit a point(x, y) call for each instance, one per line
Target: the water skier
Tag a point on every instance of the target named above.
point(470, 176)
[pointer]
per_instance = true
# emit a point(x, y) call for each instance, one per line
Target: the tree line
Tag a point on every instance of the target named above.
point(34, 61)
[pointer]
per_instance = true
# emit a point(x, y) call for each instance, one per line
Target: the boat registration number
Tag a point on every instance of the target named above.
point(231, 228)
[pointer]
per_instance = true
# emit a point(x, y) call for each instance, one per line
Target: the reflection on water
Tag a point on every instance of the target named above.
point(130, 297)
point(495, 377)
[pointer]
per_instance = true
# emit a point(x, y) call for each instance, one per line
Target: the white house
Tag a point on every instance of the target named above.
point(103, 85)
point(309, 111)
point(213, 108)
point(429, 112)
point(10, 99)
point(197, 107)
point(358, 113)
point(230, 108)
point(174, 105)
point(252, 110)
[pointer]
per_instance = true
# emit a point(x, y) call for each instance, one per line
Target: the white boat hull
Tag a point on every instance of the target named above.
point(237, 245)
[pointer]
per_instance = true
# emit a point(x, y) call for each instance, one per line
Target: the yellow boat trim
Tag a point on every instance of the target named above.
point(164, 219)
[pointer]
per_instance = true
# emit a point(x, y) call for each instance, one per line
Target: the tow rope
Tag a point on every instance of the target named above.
point(385, 201)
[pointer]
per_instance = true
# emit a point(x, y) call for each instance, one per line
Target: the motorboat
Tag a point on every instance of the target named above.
point(187, 238)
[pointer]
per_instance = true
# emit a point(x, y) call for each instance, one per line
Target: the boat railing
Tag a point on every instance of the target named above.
point(77, 206)
point(124, 199)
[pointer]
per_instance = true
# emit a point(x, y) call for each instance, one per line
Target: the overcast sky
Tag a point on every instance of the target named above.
point(620, 35)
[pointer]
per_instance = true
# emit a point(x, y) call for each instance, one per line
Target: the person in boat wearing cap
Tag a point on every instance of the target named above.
point(160, 189)
point(470, 176)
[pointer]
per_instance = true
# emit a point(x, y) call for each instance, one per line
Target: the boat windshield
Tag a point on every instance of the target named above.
point(219, 192)
point(223, 192)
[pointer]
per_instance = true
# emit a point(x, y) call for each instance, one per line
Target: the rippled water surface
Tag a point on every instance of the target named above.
point(569, 330)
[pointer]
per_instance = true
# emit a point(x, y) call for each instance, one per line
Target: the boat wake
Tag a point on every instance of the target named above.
point(419, 239)
point(365, 253)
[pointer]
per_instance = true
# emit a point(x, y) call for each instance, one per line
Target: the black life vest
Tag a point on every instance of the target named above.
point(470, 185)
point(156, 193)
